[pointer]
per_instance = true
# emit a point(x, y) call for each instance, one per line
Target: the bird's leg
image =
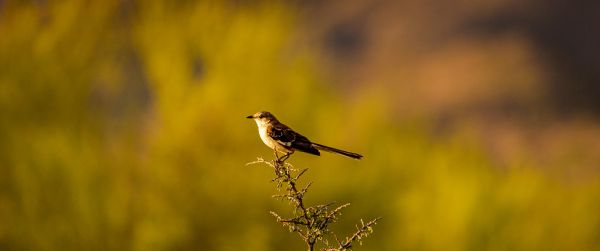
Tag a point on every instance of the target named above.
point(277, 158)
point(286, 156)
point(283, 158)
point(280, 169)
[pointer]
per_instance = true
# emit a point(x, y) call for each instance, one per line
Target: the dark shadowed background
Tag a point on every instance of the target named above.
point(122, 122)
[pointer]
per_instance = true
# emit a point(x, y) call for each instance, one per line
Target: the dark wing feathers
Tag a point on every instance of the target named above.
point(283, 135)
point(290, 139)
point(304, 145)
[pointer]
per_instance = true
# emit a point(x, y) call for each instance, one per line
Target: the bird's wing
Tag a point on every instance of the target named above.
point(282, 134)
point(291, 139)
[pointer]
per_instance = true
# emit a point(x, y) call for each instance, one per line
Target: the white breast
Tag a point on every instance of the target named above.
point(262, 131)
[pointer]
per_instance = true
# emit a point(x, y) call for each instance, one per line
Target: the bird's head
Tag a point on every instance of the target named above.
point(262, 118)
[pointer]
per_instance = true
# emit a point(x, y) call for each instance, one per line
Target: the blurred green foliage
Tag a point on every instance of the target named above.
point(122, 128)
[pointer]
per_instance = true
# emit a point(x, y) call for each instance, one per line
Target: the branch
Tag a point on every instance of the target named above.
point(311, 223)
point(360, 233)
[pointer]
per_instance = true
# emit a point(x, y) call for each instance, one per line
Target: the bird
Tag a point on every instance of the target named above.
point(283, 139)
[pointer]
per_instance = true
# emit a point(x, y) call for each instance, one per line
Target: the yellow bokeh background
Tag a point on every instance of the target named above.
point(122, 127)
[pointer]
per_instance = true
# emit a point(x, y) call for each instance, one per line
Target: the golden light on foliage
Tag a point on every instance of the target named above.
point(122, 128)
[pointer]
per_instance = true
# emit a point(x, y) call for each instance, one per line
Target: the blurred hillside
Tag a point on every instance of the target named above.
point(122, 122)
point(522, 74)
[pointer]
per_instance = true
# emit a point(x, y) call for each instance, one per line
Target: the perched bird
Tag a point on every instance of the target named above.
point(281, 138)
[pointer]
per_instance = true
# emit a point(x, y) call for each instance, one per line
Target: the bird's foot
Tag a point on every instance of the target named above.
point(282, 158)
point(285, 157)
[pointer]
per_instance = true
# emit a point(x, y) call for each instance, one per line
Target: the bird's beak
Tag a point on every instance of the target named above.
point(250, 117)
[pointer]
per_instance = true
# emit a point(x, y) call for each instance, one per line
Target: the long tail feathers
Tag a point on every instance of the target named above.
point(338, 151)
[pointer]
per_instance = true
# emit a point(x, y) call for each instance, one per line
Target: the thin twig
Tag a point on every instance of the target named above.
point(311, 223)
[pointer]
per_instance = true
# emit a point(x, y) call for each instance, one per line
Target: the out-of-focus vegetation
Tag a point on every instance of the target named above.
point(122, 128)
